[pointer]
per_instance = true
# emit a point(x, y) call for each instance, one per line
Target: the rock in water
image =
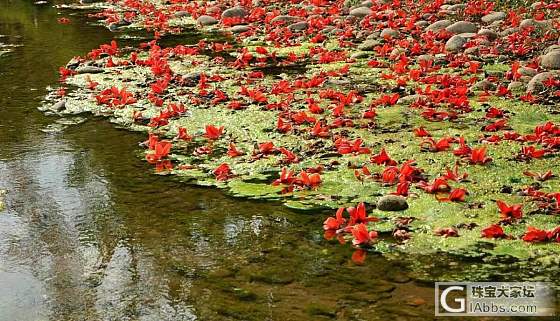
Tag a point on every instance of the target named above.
point(59, 106)
point(392, 203)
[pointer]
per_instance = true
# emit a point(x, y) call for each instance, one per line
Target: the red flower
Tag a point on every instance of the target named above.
point(212, 132)
point(358, 215)
point(431, 145)
point(494, 231)
point(335, 223)
point(539, 176)
point(222, 172)
point(535, 235)
point(447, 232)
point(233, 151)
point(362, 236)
point(439, 185)
point(63, 21)
point(161, 150)
point(286, 177)
point(183, 135)
point(507, 212)
point(383, 159)
point(312, 181)
point(421, 132)
point(478, 156)
point(456, 195)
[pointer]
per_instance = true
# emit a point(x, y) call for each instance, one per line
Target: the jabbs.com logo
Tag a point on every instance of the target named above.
point(451, 299)
point(494, 299)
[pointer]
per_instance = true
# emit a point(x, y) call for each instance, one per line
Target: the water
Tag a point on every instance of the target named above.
point(89, 234)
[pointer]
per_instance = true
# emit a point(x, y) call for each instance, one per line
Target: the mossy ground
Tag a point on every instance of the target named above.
point(392, 131)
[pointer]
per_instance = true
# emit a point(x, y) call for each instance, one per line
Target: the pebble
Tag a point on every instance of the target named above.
point(494, 16)
point(551, 60)
point(438, 25)
point(299, 26)
point(455, 43)
point(462, 27)
point(392, 203)
point(235, 12)
point(536, 83)
point(205, 20)
point(360, 12)
point(388, 32)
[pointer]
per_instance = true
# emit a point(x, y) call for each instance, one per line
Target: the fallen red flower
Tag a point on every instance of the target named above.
point(493, 231)
point(362, 236)
point(508, 213)
point(212, 132)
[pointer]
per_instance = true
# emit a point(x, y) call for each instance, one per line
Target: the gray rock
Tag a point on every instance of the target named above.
point(489, 34)
point(181, 14)
point(360, 54)
point(525, 23)
point(472, 51)
point(438, 25)
point(89, 70)
point(455, 43)
point(422, 24)
point(366, 3)
point(299, 26)
point(239, 28)
point(425, 58)
point(368, 45)
point(526, 71)
point(551, 60)
point(457, 7)
point(494, 16)
point(407, 100)
point(58, 106)
point(360, 12)
point(462, 27)
point(205, 20)
point(536, 83)
point(392, 203)
point(388, 32)
point(509, 31)
point(235, 12)
point(552, 48)
point(516, 86)
point(468, 35)
point(483, 85)
point(285, 19)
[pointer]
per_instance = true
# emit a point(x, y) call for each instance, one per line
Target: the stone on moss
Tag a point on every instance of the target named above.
point(392, 203)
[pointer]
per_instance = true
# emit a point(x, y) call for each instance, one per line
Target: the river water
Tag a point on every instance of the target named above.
point(89, 234)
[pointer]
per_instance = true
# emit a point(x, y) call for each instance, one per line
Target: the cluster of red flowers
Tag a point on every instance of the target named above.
point(311, 109)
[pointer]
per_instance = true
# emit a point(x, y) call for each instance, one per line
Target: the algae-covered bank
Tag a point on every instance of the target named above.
point(433, 123)
point(274, 160)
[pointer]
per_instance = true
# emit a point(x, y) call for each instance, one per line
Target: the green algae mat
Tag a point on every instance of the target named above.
point(423, 146)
